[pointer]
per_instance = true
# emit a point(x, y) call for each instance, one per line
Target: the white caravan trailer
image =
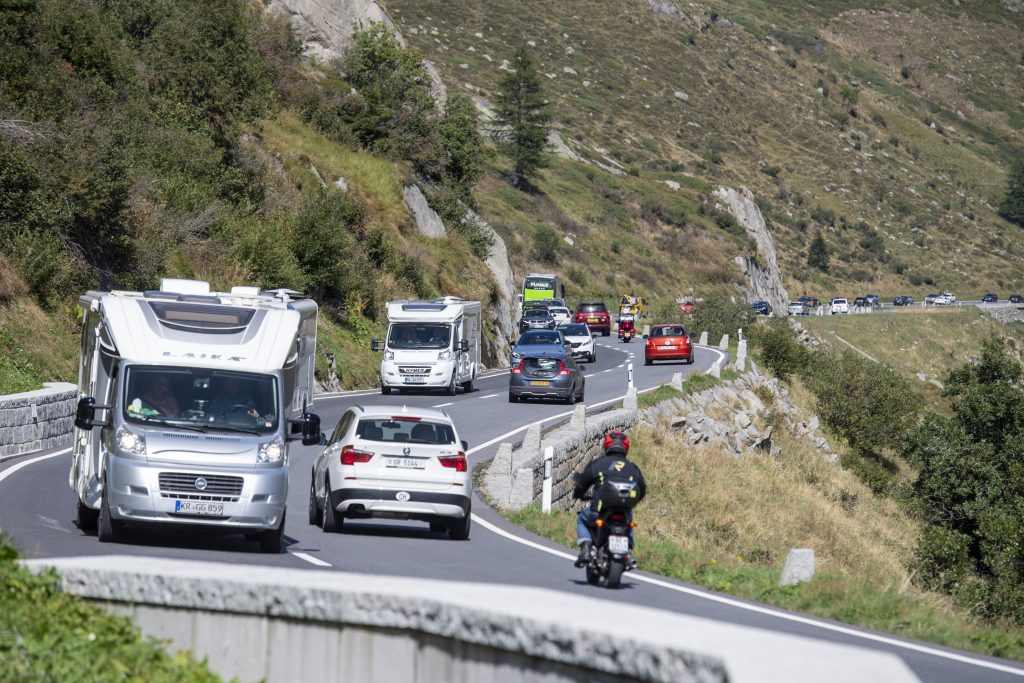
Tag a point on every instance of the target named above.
point(188, 402)
point(431, 345)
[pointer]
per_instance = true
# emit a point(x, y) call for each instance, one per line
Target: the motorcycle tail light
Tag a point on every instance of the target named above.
point(632, 525)
point(599, 523)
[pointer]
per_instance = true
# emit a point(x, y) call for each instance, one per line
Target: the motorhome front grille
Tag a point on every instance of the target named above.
point(182, 484)
point(198, 437)
point(414, 371)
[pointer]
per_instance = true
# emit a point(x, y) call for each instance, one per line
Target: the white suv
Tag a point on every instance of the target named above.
point(946, 299)
point(397, 463)
point(840, 306)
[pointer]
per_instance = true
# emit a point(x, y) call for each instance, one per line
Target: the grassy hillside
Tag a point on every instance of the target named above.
point(887, 126)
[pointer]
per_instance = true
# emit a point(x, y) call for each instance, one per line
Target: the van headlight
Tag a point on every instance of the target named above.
point(130, 443)
point(444, 355)
point(270, 452)
point(389, 355)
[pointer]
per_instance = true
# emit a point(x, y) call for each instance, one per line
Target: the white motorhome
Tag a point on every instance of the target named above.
point(431, 345)
point(188, 400)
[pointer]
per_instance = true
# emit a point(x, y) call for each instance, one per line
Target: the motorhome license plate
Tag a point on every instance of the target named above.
point(196, 507)
point(535, 383)
point(618, 545)
point(405, 463)
point(415, 380)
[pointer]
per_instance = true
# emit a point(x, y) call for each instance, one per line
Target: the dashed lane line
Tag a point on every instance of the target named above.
point(312, 560)
point(442, 405)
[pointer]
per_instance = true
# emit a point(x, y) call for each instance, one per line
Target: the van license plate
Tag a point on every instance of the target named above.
point(198, 507)
point(405, 463)
point(618, 545)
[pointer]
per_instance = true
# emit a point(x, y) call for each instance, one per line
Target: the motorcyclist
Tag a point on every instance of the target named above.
point(611, 466)
point(626, 325)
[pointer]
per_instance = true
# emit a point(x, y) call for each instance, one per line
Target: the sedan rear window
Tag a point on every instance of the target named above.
point(575, 330)
point(541, 365)
point(402, 430)
point(592, 308)
point(675, 331)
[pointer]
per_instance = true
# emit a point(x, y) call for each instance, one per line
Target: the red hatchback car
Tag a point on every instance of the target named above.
point(668, 342)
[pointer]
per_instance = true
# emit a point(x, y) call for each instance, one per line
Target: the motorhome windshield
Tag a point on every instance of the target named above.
point(419, 336)
point(217, 399)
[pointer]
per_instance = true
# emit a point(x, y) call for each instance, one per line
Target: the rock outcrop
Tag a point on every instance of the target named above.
point(428, 223)
point(764, 277)
point(503, 311)
point(325, 26)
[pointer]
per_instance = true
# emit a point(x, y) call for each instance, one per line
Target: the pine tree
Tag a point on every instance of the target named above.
point(522, 115)
point(817, 254)
point(1012, 206)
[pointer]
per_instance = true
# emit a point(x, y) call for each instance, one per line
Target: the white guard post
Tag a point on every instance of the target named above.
point(545, 504)
point(629, 376)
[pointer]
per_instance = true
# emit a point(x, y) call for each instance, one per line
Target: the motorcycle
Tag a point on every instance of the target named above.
point(609, 554)
point(626, 330)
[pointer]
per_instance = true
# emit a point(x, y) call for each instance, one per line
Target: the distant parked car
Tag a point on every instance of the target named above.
point(990, 298)
point(930, 299)
point(1016, 299)
point(840, 305)
point(762, 308)
point(687, 307)
point(873, 300)
point(944, 300)
point(809, 301)
point(903, 300)
point(860, 302)
point(797, 308)
point(950, 296)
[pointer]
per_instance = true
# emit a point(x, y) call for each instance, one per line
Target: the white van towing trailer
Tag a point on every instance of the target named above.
point(431, 345)
point(188, 401)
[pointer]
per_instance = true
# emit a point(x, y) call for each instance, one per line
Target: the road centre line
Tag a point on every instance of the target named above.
point(488, 396)
point(837, 628)
point(14, 468)
point(443, 405)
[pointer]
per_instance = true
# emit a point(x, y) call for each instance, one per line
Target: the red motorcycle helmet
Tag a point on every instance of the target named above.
point(616, 443)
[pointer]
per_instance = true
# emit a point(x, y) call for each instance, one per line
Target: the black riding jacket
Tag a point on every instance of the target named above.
point(609, 468)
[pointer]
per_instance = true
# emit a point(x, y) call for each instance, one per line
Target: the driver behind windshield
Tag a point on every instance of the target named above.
point(231, 398)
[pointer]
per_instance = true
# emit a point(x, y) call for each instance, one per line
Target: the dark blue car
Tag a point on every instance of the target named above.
point(762, 308)
point(537, 342)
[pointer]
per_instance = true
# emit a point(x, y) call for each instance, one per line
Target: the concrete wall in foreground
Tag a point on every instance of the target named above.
point(258, 622)
point(37, 420)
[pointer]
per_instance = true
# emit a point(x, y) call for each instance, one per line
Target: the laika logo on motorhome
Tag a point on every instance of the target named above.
point(203, 356)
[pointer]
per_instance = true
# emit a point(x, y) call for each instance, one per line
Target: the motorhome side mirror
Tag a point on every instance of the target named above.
point(465, 445)
point(85, 413)
point(377, 345)
point(311, 435)
point(464, 345)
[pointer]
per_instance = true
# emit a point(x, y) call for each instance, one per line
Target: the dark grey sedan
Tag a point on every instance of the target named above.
point(536, 319)
point(538, 342)
point(548, 375)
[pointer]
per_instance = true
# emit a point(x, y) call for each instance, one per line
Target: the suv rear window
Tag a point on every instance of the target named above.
point(405, 430)
point(592, 308)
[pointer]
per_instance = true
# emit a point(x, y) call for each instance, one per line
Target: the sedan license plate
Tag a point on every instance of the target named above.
point(415, 380)
point(669, 346)
point(618, 545)
point(198, 507)
point(536, 383)
point(406, 463)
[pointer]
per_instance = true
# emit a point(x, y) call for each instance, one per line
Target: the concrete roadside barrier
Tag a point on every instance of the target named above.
point(277, 624)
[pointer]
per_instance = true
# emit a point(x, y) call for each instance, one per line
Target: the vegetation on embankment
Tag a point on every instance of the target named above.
point(49, 635)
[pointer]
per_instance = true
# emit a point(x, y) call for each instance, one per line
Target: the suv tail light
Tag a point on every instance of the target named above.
point(455, 462)
point(350, 455)
point(517, 369)
point(562, 370)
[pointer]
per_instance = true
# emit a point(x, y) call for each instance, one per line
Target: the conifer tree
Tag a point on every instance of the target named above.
point(817, 254)
point(1012, 206)
point(522, 116)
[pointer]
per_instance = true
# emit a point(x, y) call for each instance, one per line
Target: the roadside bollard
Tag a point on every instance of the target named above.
point(629, 376)
point(545, 501)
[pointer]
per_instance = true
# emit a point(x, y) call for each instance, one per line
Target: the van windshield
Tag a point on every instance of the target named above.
point(419, 336)
point(199, 396)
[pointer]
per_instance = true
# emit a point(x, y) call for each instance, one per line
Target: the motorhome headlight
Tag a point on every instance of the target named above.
point(389, 355)
point(130, 443)
point(272, 451)
point(444, 355)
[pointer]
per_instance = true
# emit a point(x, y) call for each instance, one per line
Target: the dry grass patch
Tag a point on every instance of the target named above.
point(11, 284)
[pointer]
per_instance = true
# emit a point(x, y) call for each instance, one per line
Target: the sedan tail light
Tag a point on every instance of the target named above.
point(351, 455)
point(517, 369)
point(455, 462)
point(562, 370)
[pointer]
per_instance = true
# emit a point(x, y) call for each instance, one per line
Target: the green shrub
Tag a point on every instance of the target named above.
point(717, 315)
point(778, 348)
point(546, 244)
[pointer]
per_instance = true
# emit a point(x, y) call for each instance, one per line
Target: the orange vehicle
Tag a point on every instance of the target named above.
point(667, 342)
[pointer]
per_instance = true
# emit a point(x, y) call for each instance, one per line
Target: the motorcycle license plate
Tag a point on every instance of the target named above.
point(618, 545)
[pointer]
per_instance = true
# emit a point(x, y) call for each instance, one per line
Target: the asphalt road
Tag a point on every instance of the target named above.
point(37, 511)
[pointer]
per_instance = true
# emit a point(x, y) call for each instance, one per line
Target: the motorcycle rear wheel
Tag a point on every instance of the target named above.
point(615, 569)
point(593, 578)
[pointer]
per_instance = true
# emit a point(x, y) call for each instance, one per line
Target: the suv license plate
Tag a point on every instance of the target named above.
point(197, 507)
point(618, 545)
point(405, 463)
point(591, 320)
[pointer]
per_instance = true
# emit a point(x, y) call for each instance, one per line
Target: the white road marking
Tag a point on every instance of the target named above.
point(14, 468)
point(489, 396)
point(442, 405)
point(836, 628)
point(312, 560)
point(590, 375)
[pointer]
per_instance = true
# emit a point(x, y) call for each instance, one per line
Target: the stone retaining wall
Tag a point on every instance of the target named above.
point(37, 420)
